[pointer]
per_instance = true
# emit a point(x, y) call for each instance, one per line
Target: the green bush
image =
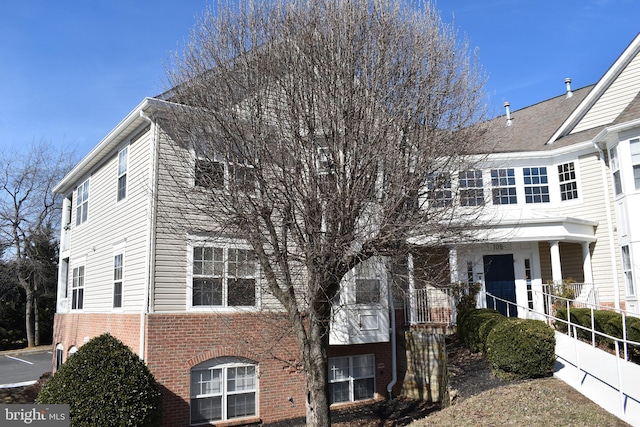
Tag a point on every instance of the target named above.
point(521, 349)
point(475, 325)
point(105, 384)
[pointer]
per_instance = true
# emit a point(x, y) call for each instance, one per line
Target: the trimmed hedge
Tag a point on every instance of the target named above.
point(474, 327)
point(521, 348)
point(105, 384)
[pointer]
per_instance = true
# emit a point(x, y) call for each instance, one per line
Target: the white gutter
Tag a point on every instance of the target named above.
point(150, 240)
point(612, 242)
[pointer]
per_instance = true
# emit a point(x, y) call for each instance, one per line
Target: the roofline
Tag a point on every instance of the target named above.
point(627, 55)
point(615, 129)
point(83, 167)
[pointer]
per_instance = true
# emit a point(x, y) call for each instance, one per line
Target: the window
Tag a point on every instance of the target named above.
point(82, 202)
point(209, 173)
point(568, 183)
point(117, 280)
point(470, 273)
point(77, 288)
point(471, 188)
point(59, 355)
point(626, 270)
point(634, 146)
point(527, 277)
point(536, 185)
point(439, 187)
point(223, 277)
point(123, 160)
point(367, 291)
point(503, 183)
point(215, 173)
point(615, 169)
point(351, 378)
point(223, 389)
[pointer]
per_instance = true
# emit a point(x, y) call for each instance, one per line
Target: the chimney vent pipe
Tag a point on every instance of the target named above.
point(567, 81)
point(506, 106)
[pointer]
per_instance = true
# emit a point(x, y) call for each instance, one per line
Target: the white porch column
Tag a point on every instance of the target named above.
point(453, 265)
point(586, 263)
point(413, 313)
point(556, 266)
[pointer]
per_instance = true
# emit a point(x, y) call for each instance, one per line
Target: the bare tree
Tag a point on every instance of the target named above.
point(324, 133)
point(28, 211)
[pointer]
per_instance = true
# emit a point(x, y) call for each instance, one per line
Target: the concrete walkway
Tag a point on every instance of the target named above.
point(600, 376)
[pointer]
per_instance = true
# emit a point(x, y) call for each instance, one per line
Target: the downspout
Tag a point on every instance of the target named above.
point(616, 290)
point(394, 362)
point(153, 182)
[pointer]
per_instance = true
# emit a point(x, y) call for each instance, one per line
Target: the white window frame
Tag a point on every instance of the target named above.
point(349, 374)
point(78, 286)
point(228, 168)
point(82, 202)
point(440, 192)
point(122, 172)
point(536, 185)
point(206, 387)
point(118, 279)
point(627, 270)
point(225, 246)
point(59, 355)
point(634, 149)
point(568, 181)
point(504, 179)
point(614, 165)
point(471, 188)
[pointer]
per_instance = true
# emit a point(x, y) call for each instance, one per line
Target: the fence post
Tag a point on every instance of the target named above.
point(618, 368)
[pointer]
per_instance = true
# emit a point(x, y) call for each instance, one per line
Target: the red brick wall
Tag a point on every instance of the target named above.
point(72, 329)
point(176, 342)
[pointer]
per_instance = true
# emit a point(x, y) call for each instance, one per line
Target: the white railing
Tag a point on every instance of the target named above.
point(583, 294)
point(430, 305)
point(621, 344)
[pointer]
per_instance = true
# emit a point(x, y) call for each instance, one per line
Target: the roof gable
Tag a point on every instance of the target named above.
point(609, 98)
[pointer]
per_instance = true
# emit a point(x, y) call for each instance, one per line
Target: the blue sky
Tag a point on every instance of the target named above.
point(70, 70)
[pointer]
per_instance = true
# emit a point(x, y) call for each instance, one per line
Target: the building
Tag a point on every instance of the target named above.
point(559, 183)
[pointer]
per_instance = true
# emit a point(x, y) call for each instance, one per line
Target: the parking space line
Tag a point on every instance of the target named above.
point(20, 360)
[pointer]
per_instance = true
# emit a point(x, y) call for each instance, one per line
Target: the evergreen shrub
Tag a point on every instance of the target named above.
point(521, 349)
point(105, 384)
point(476, 325)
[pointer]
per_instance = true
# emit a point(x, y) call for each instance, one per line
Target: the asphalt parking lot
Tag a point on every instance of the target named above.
point(23, 367)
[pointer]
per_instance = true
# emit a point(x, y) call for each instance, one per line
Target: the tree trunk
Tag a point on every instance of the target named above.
point(28, 312)
point(316, 376)
point(36, 323)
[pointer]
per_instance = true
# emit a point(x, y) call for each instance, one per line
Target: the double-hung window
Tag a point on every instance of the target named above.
point(536, 185)
point(627, 271)
point(82, 202)
point(223, 389)
point(471, 188)
point(351, 378)
point(439, 186)
point(615, 170)
point(77, 288)
point(209, 173)
point(634, 146)
point(118, 280)
point(568, 182)
point(123, 166)
point(223, 277)
point(503, 183)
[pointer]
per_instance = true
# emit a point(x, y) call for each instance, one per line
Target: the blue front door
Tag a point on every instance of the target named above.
point(500, 282)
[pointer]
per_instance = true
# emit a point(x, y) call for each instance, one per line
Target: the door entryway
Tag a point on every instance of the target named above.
point(500, 281)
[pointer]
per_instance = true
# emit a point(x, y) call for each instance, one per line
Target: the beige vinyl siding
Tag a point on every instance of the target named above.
point(614, 100)
point(111, 223)
point(176, 222)
point(593, 207)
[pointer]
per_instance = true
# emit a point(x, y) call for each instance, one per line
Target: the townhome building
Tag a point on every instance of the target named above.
point(557, 183)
